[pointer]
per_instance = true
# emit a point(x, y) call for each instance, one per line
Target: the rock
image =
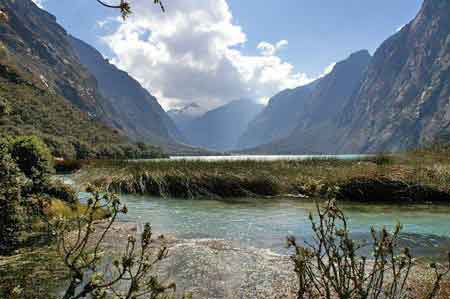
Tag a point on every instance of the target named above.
point(215, 269)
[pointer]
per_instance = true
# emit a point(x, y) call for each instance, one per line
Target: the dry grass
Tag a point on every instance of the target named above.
point(191, 179)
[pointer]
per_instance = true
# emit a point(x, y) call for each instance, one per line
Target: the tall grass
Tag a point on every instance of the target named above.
point(249, 178)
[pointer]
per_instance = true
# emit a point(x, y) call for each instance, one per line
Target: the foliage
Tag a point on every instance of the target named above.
point(330, 266)
point(83, 256)
point(60, 190)
point(4, 107)
point(11, 182)
point(25, 168)
point(32, 157)
point(68, 166)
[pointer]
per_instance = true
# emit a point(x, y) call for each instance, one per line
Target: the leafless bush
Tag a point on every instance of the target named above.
point(330, 265)
point(129, 275)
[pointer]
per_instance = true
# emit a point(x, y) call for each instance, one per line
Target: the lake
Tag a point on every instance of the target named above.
point(267, 157)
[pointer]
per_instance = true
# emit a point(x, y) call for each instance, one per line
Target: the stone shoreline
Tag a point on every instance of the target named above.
point(214, 268)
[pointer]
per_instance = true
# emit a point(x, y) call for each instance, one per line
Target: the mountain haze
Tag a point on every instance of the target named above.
point(220, 128)
point(278, 119)
point(182, 116)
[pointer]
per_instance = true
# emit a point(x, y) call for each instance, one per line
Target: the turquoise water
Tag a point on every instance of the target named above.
point(265, 223)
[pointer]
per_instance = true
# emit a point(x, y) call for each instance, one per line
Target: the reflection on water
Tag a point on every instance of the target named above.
point(265, 223)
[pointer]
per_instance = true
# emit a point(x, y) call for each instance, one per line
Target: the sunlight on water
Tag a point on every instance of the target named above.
point(268, 157)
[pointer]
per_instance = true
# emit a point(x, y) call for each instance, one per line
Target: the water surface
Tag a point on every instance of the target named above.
point(268, 157)
point(265, 223)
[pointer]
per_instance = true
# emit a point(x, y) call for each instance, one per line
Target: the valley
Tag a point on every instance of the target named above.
point(175, 156)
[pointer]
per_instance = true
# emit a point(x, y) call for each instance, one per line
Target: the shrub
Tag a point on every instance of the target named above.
point(64, 192)
point(382, 159)
point(83, 151)
point(32, 157)
point(67, 166)
point(11, 181)
point(330, 266)
point(131, 273)
point(4, 107)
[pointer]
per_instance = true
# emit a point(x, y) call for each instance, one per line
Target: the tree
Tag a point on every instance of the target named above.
point(125, 8)
point(33, 158)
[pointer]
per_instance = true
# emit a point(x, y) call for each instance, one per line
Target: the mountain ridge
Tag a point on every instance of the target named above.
point(135, 110)
point(404, 100)
point(312, 106)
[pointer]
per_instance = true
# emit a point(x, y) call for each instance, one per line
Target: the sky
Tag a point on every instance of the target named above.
point(215, 51)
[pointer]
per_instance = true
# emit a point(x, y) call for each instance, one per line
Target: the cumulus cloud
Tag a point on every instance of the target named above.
point(268, 49)
point(191, 54)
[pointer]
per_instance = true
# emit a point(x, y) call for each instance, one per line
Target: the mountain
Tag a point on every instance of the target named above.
point(278, 119)
point(220, 128)
point(134, 109)
point(300, 109)
point(48, 91)
point(182, 116)
point(404, 99)
point(401, 102)
point(39, 49)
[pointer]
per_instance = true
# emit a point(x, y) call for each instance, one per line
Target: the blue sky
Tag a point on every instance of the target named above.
point(322, 31)
point(207, 51)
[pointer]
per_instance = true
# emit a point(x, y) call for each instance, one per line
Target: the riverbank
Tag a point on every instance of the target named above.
point(413, 177)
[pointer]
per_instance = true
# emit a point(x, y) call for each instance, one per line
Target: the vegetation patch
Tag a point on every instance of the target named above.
point(388, 190)
point(401, 178)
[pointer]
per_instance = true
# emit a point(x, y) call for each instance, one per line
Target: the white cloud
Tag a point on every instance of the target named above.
point(190, 54)
point(39, 3)
point(268, 49)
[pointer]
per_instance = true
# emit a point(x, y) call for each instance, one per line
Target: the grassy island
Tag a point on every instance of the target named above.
point(419, 176)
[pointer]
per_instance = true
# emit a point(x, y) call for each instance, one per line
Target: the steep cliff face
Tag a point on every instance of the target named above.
point(313, 108)
point(135, 110)
point(404, 100)
point(48, 92)
point(279, 118)
point(39, 49)
point(220, 128)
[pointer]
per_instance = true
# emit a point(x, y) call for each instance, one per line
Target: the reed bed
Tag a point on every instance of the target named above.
point(407, 174)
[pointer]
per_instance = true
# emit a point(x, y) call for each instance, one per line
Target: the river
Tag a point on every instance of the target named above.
point(265, 223)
